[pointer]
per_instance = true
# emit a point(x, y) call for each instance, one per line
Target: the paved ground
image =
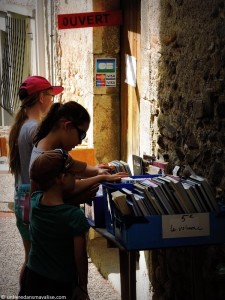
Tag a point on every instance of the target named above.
point(11, 250)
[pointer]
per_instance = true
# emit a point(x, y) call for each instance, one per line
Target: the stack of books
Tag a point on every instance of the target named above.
point(120, 166)
point(167, 195)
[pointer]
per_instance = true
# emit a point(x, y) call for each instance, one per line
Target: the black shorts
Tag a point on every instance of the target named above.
point(34, 284)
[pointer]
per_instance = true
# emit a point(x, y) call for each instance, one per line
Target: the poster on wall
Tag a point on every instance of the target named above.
point(105, 72)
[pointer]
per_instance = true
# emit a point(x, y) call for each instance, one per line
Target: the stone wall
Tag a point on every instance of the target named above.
point(190, 41)
point(184, 45)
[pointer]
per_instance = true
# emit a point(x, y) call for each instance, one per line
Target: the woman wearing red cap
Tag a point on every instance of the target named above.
point(36, 94)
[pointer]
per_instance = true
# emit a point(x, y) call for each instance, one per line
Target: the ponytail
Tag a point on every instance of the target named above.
point(21, 116)
point(14, 156)
point(47, 123)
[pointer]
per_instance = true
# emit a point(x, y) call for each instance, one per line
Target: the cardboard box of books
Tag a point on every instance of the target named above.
point(164, 211)
point(95, 210)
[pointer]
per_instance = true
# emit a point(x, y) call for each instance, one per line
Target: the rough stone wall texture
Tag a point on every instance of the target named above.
point(190, 85)
point(184, 44)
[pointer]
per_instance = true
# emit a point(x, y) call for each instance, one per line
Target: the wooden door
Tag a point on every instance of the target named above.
point(130, 99)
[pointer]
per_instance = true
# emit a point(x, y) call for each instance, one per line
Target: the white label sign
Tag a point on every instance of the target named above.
point(185, 225)
point(131, 70)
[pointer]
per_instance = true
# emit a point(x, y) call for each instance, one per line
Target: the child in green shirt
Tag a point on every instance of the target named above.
point(57, 264)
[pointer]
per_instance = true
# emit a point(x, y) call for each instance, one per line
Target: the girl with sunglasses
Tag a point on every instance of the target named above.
point(65, 127)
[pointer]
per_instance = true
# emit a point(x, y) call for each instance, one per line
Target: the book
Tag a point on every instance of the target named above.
point(118, 167)
point(130, 180)
point(153, 170)
point(197, 192)
point(138, 168)
point(148, 198)
point(172, 198)
point(158, 207)
point(203, 196)
point(161, 164)
point(141, 203)
point(132, 202)
point(192, 196)
point(208, 191)
point(126, 167)
point(181, 194)
point(159, 194)
point(120, 201)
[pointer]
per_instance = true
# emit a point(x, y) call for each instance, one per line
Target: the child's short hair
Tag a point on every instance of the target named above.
point(50, 164)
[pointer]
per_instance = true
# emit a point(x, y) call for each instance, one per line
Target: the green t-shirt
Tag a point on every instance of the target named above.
point(52, 230)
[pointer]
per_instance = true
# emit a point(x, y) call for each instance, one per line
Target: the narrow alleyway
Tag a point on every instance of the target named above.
point(11, 250)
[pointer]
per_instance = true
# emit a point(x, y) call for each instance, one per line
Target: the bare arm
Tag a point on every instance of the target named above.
point(87, 183)
point(100, 169)
point(88, 187)
point(83, 196)
point(91, 171)
point(81, 263)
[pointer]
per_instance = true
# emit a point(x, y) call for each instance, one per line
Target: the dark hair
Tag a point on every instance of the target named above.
point(71, 111)
point(20, 118)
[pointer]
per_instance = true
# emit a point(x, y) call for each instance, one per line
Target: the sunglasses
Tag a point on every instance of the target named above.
point(82, 134)
point(65, 157)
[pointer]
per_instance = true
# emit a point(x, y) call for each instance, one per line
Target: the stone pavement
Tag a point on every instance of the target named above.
point(12, 255)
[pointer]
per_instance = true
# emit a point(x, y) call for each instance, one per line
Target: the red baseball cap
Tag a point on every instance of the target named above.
point(34, 84)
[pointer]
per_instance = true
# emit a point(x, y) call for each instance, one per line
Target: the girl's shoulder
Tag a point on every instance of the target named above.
point(30, 124)
point(34, 154)
point(29, 127)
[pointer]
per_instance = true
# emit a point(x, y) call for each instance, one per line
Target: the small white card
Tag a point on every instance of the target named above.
point(185, 225)
point(175, 170)
point(131, 70)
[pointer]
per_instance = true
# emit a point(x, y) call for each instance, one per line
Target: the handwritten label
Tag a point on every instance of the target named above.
point(185, 225)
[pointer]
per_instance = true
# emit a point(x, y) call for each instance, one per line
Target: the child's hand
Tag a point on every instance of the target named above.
point(115, 177)
point(105, 169)
point(80, 294)
point(105, 166)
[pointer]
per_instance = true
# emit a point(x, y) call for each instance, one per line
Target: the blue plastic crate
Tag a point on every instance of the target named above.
point(95, 212)
point(147, 232)
point(109, 209)
point(108, 188)
point(142, 233)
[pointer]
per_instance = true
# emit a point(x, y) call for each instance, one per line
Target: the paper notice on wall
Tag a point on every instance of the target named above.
point(185, 225)
point(131, 70)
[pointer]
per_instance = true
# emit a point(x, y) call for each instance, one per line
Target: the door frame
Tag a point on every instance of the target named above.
point(130, 95)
